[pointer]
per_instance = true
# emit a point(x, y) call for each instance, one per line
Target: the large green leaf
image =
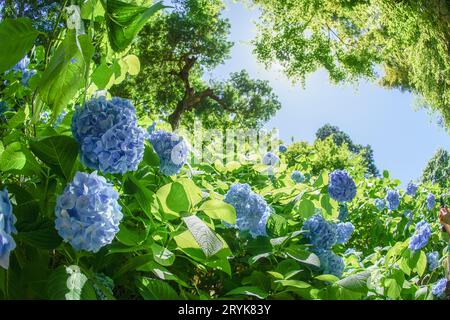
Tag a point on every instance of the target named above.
point(16, 38)
point(218, 209)
point(155, 289)
point(12, 158)
point(58, 152)
point(125, 20)
point(65, 74)
point(207, 240)
point(42, 235)
point(356, 282)
point(69, 283)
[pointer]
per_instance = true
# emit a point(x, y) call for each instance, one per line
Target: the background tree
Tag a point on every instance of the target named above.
point(340, 137)
point(175, 50)
point(437, 169)
point(349, 39)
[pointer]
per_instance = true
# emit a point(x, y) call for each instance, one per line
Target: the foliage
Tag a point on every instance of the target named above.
point(340, 137)
point(349, 39)
point(210, 230)
point(176, 49)
point(437, 169)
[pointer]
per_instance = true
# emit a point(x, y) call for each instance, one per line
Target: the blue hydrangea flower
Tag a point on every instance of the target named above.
point(432, 260)
point(330, 263)
point(431, 201)
point(297, 176)
point(343, 212)
point(320, 232)
point(252, 211)
point(26, 76)
point(87, 212)
point(392, 199)
point(439, 288)
point(109, 137)
point(171, 149)
point(408, 214)
point(59, 119)
point(282, 148)
point(44, 117)
point(421, 236)
point(22, 65)
point(379, 204)
point(7, 221)
point(270, 159)
point(341, 187)
point(411, 189)
point(344, 232)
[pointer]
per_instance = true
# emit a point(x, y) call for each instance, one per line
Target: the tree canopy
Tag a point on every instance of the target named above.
point(175, 49)
point(437, 169)
point(340, 137)
point(351, 38)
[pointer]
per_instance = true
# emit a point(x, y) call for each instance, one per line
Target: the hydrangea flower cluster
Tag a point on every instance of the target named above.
point(7, 221)
point(320, 232)
point(343, 212)
point(297, 176)
point(270, 159)
point(171, 149)
point(392, 199)
point(344, 232)
point(252, 211)
point(341, 188)
point(330, 263)
point(110, 140)
point(380, 204)
point(432, 260)
point(421, 236)
point(411, 189)
point(282, 148)
point(439, 288)
point(431, 201)
point(87, 212)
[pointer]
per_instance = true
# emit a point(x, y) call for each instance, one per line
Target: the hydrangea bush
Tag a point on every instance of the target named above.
point(94, 207)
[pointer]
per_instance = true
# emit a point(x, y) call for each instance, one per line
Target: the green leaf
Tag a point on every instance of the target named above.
point(306, 208)
point(65, 74)
point(173, 198)
point(131, 237)
point(356, 282)
point(42, 235)
point(69, 283)
point(12, 158)
point(294, 283)
point(17, 38)
point(327, 278)
point(134, 66)
point(277, 225)
point(150, 156)
point(58, 152)
point(218, 209)
point(155, 289)
point(125, 20)
point(249, 291)
point(193, 192)
point(207, 240)
point(303, 256)
point(162, 255)
point(386, 174)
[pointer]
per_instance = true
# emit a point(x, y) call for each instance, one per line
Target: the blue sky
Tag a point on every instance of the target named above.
point(403, 139)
